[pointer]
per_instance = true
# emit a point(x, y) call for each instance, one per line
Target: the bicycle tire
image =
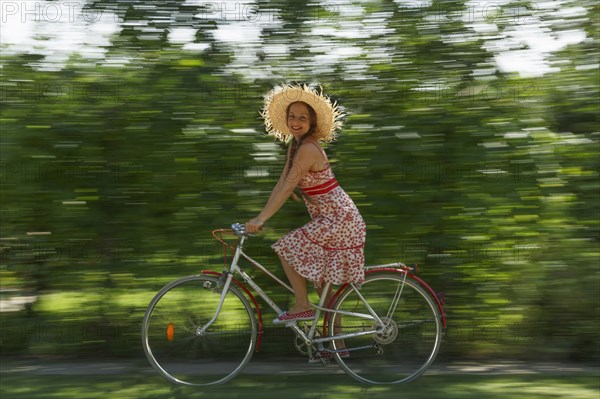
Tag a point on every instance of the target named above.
point(407, 348)
point(171, 342)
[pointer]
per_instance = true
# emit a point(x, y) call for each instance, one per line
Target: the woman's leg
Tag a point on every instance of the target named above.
point(337, 325)
point(298, 283)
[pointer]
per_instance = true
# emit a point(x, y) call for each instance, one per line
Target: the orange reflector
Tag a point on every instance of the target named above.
point(170, 331)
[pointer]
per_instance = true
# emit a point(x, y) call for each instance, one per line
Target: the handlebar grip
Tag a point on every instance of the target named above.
point(239, 229)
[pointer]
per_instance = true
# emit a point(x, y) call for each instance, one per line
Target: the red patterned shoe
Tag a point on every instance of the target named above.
point(286, 317)
point(326, 356)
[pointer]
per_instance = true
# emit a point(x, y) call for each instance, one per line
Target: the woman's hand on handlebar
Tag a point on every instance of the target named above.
point(254, 225)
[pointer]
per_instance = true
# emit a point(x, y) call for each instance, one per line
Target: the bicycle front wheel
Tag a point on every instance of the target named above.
point(177, 347)
point(409, 341)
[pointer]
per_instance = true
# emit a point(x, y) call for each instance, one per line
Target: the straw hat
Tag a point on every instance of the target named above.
point(277, 100)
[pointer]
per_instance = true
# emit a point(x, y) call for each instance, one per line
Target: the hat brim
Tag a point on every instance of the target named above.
point(278, 100)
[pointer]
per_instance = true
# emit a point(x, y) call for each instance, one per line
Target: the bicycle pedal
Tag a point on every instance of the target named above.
point(305, 323)
point(315, 360)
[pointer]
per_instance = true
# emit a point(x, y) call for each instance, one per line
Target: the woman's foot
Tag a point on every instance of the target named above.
point(327, 355)
point(295, 316)
point(299, 309)
point(343, 352)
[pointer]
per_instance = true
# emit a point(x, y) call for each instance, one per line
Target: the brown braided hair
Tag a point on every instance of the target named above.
point(296, 144)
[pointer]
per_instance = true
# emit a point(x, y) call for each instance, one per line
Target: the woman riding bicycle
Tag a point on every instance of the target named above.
point(330, 247)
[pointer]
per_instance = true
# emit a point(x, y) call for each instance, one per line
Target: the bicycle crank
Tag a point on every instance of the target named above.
point(301, 346)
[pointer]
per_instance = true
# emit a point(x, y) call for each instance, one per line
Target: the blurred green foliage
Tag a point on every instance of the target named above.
point(113, 175)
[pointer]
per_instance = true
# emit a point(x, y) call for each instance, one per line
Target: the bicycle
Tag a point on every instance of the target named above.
point(203, 329)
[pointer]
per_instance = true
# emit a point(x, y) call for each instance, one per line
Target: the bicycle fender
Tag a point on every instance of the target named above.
point(240, 285)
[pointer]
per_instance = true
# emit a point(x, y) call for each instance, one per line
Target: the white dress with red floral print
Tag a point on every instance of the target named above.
point(330, 247)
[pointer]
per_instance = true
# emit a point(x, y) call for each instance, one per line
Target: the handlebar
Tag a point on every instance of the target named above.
point(239, 229)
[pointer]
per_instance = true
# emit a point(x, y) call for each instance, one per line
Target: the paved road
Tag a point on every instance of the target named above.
point(282, 367)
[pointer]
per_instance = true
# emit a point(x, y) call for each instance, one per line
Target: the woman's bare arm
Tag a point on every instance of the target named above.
point(305, 158)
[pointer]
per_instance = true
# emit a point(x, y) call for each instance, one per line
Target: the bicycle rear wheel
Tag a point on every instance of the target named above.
point(175, 347)
point(409, 343)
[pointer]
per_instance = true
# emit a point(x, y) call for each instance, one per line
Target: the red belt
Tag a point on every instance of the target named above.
point(321, 188)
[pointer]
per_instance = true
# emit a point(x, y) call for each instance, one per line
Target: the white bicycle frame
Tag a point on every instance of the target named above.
point(308, 338)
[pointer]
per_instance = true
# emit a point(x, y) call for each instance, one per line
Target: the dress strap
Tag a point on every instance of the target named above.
point(322, 152)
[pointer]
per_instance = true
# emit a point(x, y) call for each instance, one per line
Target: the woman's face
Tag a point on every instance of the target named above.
point(298, 120)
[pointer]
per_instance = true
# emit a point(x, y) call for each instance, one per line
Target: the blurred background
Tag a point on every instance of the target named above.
point(131, 129)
